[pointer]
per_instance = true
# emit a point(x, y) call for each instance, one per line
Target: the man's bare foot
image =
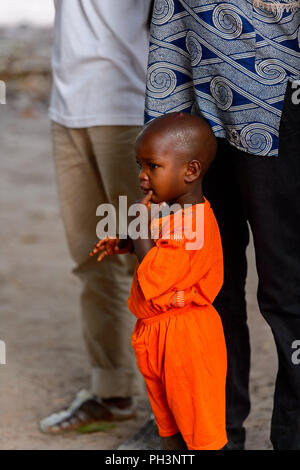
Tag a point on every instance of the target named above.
point(87, 409)
point(175, 442)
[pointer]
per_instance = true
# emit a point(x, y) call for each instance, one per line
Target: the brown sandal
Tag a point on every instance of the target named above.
point(84, 410)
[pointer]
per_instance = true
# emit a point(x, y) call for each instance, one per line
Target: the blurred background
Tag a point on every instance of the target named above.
point(39, 308)
point(33, 12)
point(25, 47)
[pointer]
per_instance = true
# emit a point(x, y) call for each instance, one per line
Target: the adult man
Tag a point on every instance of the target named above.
point(237, 64)
point(99, 67)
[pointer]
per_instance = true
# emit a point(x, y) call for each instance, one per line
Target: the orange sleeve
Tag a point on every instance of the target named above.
point(162, 267)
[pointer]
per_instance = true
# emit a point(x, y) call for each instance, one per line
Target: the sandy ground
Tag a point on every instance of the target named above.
point(40, 320)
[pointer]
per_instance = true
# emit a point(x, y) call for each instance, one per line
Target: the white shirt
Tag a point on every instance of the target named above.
point(99, 62)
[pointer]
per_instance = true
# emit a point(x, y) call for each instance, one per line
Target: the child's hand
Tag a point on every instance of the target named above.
point(146, 200)
point(112, 246)
point(153, 209)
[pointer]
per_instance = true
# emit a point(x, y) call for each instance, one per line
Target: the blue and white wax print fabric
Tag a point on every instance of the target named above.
point(229, 61)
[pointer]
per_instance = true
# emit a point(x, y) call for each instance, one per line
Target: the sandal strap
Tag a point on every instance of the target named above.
point(83, 396)
point(56, 418)
point(117, 412)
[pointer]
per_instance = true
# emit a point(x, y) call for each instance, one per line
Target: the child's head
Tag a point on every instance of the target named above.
point(174, 152)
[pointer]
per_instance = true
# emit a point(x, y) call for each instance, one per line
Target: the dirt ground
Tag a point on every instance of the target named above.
point(39, 308)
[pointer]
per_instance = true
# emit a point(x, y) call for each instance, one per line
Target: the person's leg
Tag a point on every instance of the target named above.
point(194, 376)
point(175, 442)
point(271, 188)
point(107, 322)
point(104, 298)
point(150, 360)
point(223, 193)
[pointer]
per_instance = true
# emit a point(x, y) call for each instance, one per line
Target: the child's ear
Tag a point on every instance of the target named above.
point(192, 171)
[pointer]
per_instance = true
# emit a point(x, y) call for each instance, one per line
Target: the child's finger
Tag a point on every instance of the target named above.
point(109, 249)
point(96, 250)
point(147, 198)
point(99, 246)
point(100, 258)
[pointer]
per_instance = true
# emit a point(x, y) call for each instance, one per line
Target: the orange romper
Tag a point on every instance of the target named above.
point(178, 338)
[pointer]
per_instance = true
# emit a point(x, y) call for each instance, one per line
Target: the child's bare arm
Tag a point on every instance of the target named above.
point(112, 246)
point(142, 246)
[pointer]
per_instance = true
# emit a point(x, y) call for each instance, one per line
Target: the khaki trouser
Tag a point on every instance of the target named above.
point(95, 165)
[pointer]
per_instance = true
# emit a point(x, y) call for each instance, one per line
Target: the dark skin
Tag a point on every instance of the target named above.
point(173, 153)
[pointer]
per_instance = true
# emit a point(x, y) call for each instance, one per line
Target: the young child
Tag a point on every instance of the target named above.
point(178, 338)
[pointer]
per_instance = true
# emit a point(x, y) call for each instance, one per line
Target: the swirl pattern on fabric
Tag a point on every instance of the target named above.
point(229, 62)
